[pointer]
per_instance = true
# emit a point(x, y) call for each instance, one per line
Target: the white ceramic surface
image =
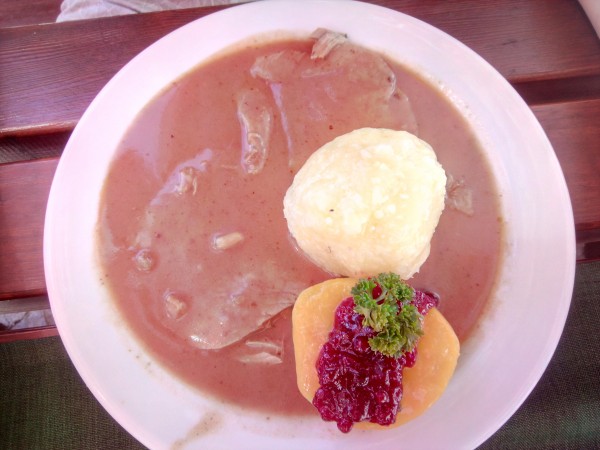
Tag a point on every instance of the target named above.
point(498, 367)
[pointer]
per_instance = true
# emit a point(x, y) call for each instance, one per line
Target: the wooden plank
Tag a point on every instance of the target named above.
point(15, 13)
point(559, 90)
point(35, 146)
point(524, 39)
point(24, 305)
point(574, 131)
point(50, 73)
point(28, 333)
point(588, 245)
point(24, 189)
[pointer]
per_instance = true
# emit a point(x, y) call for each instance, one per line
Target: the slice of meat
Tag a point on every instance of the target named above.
point(207, 307)
point(369, 85)
point(256, 118)
point(459, 196)
point(326, 41)
point(265, 352)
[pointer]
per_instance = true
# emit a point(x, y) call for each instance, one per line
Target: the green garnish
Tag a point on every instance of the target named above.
point(397, 322)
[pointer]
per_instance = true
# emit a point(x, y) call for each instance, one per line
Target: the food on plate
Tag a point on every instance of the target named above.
point(354, 372)
point(193, 246)
point(367, 202)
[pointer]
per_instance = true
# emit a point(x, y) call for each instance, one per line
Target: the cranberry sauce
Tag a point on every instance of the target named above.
point(358, 384)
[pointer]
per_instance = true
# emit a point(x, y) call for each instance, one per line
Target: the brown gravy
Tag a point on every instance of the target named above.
point(176, 184)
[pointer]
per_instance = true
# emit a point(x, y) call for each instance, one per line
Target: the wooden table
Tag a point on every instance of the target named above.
point(50, 72)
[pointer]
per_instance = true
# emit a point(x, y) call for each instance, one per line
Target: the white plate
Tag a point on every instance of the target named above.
point(498, 367)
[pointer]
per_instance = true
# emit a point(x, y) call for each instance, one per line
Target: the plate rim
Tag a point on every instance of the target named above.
point(54, 206)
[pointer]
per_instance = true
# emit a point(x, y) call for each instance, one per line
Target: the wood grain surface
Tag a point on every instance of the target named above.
point(49, 74)
point(15, 13)
point(24, 189)
point(574, 131)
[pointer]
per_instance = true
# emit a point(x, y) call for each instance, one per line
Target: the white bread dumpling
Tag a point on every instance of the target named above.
point(367, 202)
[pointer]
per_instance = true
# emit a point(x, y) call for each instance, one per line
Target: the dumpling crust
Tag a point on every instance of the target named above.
point(367, 202)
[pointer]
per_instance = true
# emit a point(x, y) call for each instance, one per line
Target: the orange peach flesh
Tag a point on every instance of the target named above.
point(424, 383)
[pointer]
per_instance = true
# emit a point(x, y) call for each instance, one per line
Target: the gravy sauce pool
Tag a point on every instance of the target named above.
point(191, 235)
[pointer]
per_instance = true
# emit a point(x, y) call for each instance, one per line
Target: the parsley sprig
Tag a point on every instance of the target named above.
point(391, 314)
